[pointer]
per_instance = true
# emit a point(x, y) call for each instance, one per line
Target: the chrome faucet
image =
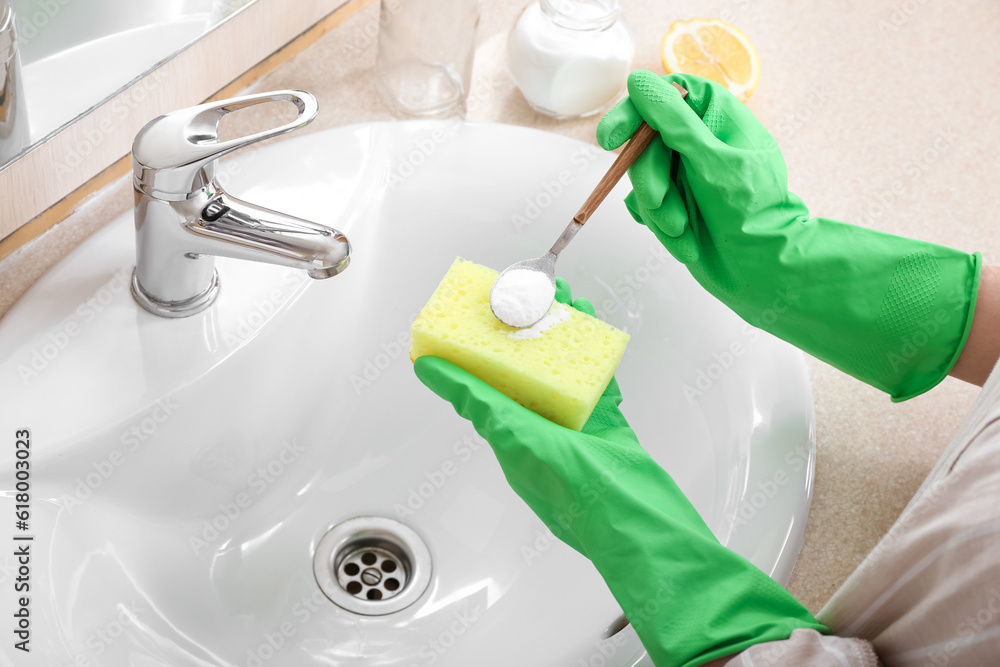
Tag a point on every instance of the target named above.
point(184, 219)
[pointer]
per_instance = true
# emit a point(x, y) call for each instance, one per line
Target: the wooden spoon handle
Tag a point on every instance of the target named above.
point(636, 145)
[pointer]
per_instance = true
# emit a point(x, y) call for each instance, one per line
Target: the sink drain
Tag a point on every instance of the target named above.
point(372, 565)
point(372, 573)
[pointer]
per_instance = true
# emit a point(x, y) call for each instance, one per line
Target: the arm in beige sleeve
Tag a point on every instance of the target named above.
point(982, 348)
point(805, 648)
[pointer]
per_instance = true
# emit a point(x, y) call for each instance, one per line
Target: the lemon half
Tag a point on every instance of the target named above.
point(714, 49)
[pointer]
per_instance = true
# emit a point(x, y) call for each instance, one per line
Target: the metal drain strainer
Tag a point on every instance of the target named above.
point(372, 573)
point(372, 565)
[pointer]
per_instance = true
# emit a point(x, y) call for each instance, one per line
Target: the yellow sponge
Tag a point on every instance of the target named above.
point(559, 367)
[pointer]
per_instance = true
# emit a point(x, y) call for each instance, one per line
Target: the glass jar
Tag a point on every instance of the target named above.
point(570, 58)
point(425, 53)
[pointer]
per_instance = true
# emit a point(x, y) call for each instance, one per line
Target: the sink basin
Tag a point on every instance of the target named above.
point(184, 472)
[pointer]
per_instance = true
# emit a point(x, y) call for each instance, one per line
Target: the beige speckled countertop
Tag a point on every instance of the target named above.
point(867, 98)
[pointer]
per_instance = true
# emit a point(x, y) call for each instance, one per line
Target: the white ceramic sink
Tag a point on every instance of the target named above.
point(183, 471)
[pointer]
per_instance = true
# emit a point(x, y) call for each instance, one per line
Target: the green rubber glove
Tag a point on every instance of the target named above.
point(893, 312)
point(690, 599)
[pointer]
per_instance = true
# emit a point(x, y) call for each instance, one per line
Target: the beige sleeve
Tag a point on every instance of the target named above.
point(805, 648)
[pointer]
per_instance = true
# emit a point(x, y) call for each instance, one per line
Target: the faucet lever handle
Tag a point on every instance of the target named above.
point(172, 154)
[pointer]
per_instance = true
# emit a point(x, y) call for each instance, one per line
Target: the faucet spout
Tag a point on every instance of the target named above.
point(176, 244)
point(231, 227)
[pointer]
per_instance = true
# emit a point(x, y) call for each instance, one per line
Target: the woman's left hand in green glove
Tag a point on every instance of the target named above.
point(690, 599)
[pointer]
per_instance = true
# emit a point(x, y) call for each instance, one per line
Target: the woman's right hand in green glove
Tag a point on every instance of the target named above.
point(891, 311)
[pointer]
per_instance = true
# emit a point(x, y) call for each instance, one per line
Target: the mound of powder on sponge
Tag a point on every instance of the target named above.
point(521, 297)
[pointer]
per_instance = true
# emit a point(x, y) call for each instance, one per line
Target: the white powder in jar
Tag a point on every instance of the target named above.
point(521, 297)
point(564, 72)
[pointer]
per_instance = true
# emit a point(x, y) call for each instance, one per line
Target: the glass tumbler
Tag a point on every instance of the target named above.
point(425, 52)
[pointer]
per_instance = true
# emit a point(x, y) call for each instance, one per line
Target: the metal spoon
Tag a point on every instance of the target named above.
point(531, 313)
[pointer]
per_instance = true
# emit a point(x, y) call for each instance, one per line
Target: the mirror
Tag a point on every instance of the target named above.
point(72, 55)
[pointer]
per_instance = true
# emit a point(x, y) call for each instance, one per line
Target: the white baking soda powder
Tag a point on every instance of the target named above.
point(557, 313)
point(521, 297)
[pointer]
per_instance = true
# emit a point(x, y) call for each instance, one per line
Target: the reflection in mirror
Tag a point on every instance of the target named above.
point(13, 125)
point(74, 54)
